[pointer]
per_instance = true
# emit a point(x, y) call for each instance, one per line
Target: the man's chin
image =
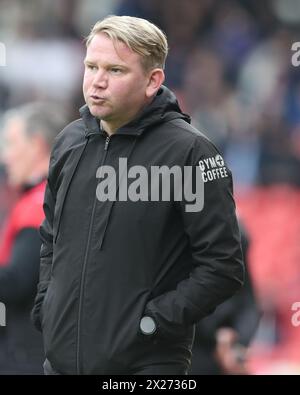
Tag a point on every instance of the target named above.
point(96, 112)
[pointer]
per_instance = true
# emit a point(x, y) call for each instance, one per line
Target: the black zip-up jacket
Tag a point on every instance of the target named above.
point(104, 265)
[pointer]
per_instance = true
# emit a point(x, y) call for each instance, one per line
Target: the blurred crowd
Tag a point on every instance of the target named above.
point(229, 63)
point(230, 66)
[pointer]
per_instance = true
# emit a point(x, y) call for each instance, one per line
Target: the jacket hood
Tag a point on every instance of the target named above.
point(163, 108)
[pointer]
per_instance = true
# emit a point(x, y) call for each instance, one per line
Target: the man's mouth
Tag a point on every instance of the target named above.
point(97, 98)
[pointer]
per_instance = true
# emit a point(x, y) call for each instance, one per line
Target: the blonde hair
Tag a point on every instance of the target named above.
point(138, 34)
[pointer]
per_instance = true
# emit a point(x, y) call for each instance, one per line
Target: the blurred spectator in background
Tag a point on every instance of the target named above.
point(6, 194)
point(222, 339)
point(29, 132)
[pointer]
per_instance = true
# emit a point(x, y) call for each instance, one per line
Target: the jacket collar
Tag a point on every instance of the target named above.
point(162, 109)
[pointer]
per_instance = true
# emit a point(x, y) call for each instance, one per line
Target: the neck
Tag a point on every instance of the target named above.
point(111, 127)
point(108, 128)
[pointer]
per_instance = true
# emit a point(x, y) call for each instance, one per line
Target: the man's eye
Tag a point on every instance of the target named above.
point(91, 67)
point(115, 70)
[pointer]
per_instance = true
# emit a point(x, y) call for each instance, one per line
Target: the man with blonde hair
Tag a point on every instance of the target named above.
point(127, 272)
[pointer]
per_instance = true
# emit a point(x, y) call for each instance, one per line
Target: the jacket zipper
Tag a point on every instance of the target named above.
point(82, 279)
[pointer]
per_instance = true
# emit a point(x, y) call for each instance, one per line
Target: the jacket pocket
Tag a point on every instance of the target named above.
point(167, 330)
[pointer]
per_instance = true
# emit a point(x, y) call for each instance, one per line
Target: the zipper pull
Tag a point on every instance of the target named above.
point(107, 140)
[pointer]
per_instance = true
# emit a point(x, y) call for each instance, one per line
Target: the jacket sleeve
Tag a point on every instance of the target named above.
point(214, 239)
point(46, 253)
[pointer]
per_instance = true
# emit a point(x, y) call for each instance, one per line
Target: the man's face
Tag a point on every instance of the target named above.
point(115, 83)
point(18, 154)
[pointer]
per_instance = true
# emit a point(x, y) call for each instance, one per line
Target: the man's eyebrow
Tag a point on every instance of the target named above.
point(121, 66)
point(89, 61)
point(85, 61)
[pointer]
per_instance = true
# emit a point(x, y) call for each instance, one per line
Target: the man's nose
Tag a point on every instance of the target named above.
point(100, 79)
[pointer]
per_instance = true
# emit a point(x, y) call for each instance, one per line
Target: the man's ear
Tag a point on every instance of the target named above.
point(156, 79)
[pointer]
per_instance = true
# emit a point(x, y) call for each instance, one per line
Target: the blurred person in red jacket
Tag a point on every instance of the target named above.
point(28, 135)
